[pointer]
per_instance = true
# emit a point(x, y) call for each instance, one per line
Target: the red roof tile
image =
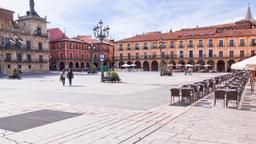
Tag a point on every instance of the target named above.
point(56, 34)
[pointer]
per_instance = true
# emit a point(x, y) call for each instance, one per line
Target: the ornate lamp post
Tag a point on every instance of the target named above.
point(17, 44)
point(101, 33)
point(161, 56)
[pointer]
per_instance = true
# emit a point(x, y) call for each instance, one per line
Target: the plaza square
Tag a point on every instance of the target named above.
point(127, 72)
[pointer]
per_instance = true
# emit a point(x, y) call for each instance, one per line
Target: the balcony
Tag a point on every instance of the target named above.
point(210, 45)
point(120, 49)
point(253, 44)
point(137, 48)
point(242, 45)
point(145, 47)
point(129, 48)
point(221, 45)
point(172, 46)
point(200, 46)
point(190, 46)
point(181, 46)
point(231, 45)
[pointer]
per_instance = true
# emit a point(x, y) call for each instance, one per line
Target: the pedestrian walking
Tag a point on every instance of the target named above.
point(62, 77)
point(70, 76)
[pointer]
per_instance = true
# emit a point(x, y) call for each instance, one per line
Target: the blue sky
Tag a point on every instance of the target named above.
point(130, 17)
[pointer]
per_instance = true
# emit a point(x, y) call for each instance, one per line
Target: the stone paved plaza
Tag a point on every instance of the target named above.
point(134, 111)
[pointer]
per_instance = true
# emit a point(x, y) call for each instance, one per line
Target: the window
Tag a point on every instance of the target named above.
point(71, 56)
point(191, 55)
point(29, 66)
point(210, 43)
point(164, 45)
point(40, 46)
point(19, 57)
point(38, 31)
point(154, 55)
point(61, 56)
point(231, 54)
point(8, 57)
point(128, 46)
point(154, 45)
point(221, 43)
point(201, 53)
point(200, 43)
point(41, 59)
point(190, 44)
point(29, 57)
point(253, 42)
point(145, 55)
point(137, 56)
point(28, 44)
point(210, 53)
point(181, 44)
point(253, 53)
point(145, 45)
point(242, 53)
point(221, 54)
point(137, 46)
point(129, 56)
point(163, 54)
point(231, 43)
point(9, 66)
point(121, 56)
point(172, 55)
point(172, 45)
point(120, 47)
point(242, 42)
point(181, 54)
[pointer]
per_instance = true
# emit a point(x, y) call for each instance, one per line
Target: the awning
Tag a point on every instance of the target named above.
point(245, 64)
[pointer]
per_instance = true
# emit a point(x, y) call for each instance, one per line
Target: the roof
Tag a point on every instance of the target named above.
point(91, 40)
point(56, 34)
point(223, 30)
point(6, 10)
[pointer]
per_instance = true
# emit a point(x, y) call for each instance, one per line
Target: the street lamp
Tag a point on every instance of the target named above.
point(101, 33)
point(161, 56)
point(17, 43)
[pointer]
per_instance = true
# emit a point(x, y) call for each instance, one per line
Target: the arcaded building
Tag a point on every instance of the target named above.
point(24, 42)
point(67, 52)
point(219, 46)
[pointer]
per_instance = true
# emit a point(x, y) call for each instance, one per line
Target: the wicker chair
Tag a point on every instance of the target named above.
point(187, 93)
point(232, 96)
point(219, 95)
point(175, 92)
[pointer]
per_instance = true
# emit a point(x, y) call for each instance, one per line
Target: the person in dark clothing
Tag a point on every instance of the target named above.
point(70, 76)
point(62, 77)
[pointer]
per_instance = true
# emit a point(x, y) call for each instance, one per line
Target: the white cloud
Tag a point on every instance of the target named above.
point(128, 17)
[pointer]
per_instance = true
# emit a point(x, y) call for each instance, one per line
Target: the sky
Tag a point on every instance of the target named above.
point(127, 18)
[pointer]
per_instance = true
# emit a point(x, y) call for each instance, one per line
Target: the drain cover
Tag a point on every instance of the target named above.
point(21, 122)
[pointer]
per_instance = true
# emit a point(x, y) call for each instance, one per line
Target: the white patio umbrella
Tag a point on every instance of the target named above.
point(243, 64)
point(207, 65)
point(180, 65)
point(133, 65)
point(198, 65)
point(188, 65)
point(126, 65)
point(171, 65)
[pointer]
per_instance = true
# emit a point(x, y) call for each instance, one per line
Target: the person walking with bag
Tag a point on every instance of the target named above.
point(62, 77)
point(70, 76)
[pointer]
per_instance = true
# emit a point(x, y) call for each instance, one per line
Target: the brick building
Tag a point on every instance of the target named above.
point(218, 45)
point(67, 52)
point(24, 42)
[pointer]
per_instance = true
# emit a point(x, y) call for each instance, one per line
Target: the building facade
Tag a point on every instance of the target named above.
point(219, 46)
point(24, 43)
point(67, 53)
point(77, 53)
point(107, 49)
